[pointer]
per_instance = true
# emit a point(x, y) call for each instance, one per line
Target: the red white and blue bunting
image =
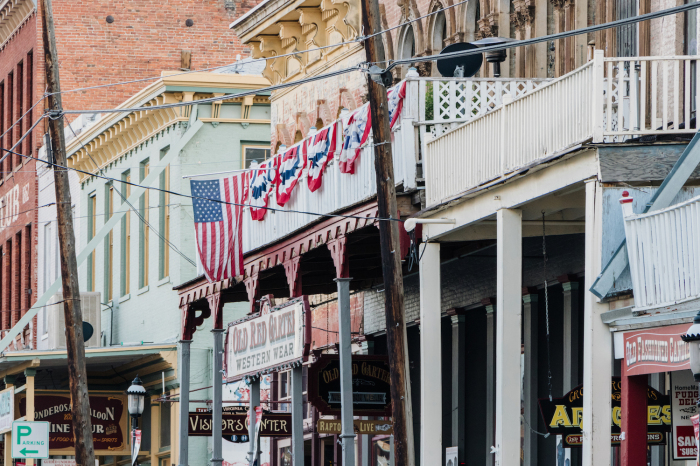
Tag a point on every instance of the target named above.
point(342, 139)
point(321, 148)
point(262, 179)
point(289, 171)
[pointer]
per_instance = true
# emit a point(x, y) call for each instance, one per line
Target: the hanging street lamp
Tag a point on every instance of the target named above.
point(136, 396)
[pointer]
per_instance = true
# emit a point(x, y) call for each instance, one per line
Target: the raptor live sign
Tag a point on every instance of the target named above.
point(268, 340)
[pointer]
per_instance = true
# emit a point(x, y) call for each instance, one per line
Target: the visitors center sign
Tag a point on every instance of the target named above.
point(268, 341)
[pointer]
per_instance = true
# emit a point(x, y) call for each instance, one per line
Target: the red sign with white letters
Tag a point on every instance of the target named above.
point(655, 350)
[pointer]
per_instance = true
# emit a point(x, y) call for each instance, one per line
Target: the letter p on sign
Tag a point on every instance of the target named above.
point(23, 431)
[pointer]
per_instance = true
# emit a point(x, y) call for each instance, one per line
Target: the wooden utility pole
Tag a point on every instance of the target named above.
point(390, 245)
point(75, 345)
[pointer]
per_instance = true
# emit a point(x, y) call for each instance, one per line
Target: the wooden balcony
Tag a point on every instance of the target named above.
point(607, 100)
point(663, 248)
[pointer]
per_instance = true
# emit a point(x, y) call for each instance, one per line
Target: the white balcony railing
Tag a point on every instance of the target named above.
point(664, 254)
point(598, 102)
point(454, 100)
point(338, 191)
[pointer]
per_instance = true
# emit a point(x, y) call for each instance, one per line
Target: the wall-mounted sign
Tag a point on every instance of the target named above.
point(655, 350)
point(564, 416)
point(236, 423)
point(371, 386)
point(334, 427)
point(108, 420)
point(268, 341)
point(7, 409)
point(684, 396)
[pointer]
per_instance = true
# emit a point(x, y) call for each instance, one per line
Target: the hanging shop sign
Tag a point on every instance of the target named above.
point(371, 386)
point(108, 417)
point(334, 427)
point(564, 416)
point(684, 395)
point(270, 340)
point(655, 350)
point(7, 409)
point(236, 423)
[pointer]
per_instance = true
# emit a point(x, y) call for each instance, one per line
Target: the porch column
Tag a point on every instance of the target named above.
point(184, 405)
point(9, 383)
point(571, 342)
point(297, 417)
point(430, 357)
point(29, 389)
point(490, 379)
point(347, 437)
point(508, 314)
point(459, 382)
point(216, 308)
point(571, 332)
point(531, 408)
point(367, 348)
point(597, 343)
point(634, 420)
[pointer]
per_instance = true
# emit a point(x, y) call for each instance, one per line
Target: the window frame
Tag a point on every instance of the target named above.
point(246, 146)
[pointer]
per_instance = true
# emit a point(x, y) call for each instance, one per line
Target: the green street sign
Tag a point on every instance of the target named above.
point(30, 439)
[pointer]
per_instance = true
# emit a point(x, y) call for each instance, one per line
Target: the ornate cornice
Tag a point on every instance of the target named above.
point(13, 15)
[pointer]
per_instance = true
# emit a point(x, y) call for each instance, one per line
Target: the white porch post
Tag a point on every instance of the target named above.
point(508, 322)
point(597, 343)
point(430, 356)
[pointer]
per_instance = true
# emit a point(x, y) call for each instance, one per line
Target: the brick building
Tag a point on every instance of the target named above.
point(98, 43)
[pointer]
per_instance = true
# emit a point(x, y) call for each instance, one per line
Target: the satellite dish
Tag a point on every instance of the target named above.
point(88, 330)
point(467, 65)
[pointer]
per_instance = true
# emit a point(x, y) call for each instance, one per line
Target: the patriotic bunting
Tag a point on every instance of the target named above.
point(396, 95)
point(219, 225)
point(355, 134)
point(262, 179)
point(321, 148)
point(289, 170)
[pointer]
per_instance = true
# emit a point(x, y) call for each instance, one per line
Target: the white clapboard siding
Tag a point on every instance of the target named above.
point(664, 254)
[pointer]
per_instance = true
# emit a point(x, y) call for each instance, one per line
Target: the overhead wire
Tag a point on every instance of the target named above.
point(22, 117)
point(138, 214)
point(275, 57)
point(547, 38)
point(218, 201)
point(393, 63)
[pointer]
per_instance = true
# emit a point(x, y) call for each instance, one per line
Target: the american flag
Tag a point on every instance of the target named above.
point(219, 226)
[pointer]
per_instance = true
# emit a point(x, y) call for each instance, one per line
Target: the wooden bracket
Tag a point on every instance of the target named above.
point(291, 269)
point(340, 260)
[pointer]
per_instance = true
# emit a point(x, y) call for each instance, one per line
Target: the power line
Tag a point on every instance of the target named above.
point(551, 37)
point(256, 60)
point(20, 118)
point(359, 217)
point(364, 66)
point(138, 214)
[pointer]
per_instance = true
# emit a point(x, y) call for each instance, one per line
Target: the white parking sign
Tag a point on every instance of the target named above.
point(30, 439)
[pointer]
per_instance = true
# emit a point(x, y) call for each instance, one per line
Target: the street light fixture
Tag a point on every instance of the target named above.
point(136, 396)
point(692, 337)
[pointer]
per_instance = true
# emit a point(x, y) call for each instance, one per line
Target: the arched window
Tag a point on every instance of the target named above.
point(439, 33)
point(407, 47)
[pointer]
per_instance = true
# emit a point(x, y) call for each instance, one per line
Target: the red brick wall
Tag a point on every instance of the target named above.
point(324, 321)
point(145, 38)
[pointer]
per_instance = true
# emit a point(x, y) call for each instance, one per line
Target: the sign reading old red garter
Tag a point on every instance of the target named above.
point(108, 420)
point(655, 350)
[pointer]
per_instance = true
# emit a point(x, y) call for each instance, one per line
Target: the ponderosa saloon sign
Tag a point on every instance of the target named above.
point(108, 417)
point(269, 340)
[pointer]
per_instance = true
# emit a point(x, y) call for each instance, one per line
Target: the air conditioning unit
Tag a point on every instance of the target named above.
point(92, 313)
